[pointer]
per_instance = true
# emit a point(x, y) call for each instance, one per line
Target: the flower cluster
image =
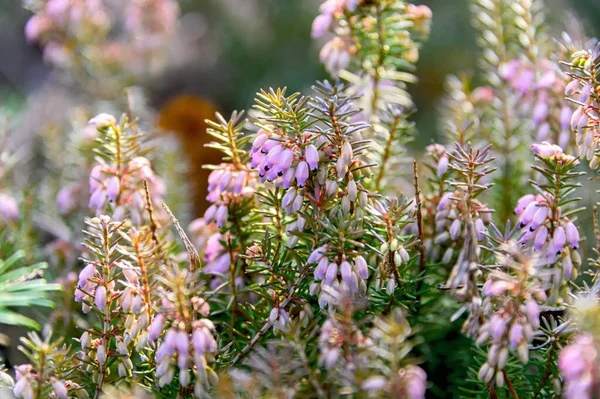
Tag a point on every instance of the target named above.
point(82, 36)
point(578, 365)
point(352, 275)
point(118, 179)
point(187, 336)
point(512, 299)
point(61, 24)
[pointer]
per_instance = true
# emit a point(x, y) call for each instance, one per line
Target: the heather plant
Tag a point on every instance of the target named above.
point(331, 261)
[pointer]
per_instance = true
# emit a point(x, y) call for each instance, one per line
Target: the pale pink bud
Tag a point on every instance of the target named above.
point(103, 120)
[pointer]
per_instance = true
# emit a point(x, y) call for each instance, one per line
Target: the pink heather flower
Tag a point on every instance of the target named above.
point(442, 165)
point(539, 217)
point(540, 238)
point(584, 95)
point(523, 203)
point(21, 386)
point(346, 271)
point(331, 274)
point(209, 214)
point(86, 274)
point(103, 121)
point(572, 87)
point(285, 161)
point(59, 389)
point(528, 213)
point(515, 335)
point(572, 235)
point(312, 157)
point(112, 188)
point(259, 141)
point(414, 381)
point(444, 201)
point(533, 313)
point(301, 173)
point(578, 366)
point(496, 288)
point(288, 178)
point(221, 216)
point(321, 24)
point(317, 254)
point(8, 207)
point(546, 150)
point(335, 55)
point(361, 266)
point(455, 229)
point(101, 354)
point(100, 298)
point(559, 239)
point(321, 269)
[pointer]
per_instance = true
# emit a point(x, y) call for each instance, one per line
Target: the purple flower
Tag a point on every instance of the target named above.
point(540, 238)
point(288, 177)
point(539, 217)
point(442, 165)
point(312, 157)
point(221, 215)
point(321, 269)
point(100, 298)
point(572, 234)
point(346, 271)
point(331, 273)
point(361, 266)
point(523, 203)
point(259, 141)
point(559, 239)
point(321, 24)
point(112, 188)
point(455, 229)
point(317, 254)
point(572, 87)
point(301, 173)
point(444, 201)
point(515, 335)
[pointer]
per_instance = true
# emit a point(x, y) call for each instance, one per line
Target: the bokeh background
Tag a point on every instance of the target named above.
point(236, 47)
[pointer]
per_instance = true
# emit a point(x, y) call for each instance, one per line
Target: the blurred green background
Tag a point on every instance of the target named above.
point(240, 46)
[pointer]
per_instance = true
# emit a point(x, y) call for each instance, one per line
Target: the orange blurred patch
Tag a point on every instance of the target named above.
point(185, 116)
